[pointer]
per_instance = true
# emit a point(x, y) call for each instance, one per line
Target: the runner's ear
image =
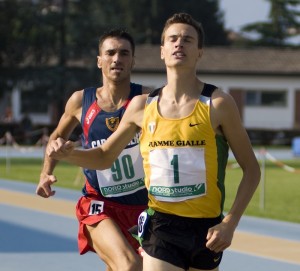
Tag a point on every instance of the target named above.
point(99, 62)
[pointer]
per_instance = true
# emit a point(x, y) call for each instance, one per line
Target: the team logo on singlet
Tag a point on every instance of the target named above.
point(152, 126)
point(112, 123)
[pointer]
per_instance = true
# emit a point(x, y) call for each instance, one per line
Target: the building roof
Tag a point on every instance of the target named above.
point(228, 60)
point(215, 60)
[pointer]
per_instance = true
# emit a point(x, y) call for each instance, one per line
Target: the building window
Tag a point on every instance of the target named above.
point(266, 98)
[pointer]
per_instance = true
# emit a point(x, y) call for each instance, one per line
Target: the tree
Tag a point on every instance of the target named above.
point(283, 24)
point(28, 32)
point(145, 19)
point(33, 32)
point(39, 35)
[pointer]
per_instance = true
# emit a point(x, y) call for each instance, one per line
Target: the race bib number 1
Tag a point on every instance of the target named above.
point(177, 174)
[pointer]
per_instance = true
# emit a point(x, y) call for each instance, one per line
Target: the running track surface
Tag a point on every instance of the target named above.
point(41, 234)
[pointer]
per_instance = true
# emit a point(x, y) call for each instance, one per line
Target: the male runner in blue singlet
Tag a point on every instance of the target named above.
point(112, 199)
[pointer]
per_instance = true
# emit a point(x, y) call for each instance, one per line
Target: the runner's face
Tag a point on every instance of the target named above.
point(180, 46)
point(116, 59)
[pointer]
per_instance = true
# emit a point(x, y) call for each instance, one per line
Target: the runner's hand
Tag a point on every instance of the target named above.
point(44, 187)
point(59, 149)
point(219, 237)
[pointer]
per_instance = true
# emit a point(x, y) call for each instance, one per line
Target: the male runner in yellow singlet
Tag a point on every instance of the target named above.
point(186, 127)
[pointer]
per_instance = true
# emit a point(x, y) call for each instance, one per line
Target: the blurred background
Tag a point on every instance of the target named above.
point(48, 50)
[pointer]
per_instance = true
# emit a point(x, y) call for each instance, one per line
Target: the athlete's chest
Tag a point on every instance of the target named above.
point(106, 121)
point(193, 129)
point(172, 110)
point(98, 124)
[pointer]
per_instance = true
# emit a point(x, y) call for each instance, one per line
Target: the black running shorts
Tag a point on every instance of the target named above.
point(181, 241)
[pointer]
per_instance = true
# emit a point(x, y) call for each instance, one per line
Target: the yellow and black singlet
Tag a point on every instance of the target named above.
point(184, 160)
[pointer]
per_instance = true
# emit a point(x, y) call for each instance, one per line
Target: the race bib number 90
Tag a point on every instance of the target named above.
point(177, 174)
point(126, 176)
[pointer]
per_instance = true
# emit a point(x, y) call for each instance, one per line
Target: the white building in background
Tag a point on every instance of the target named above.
point(265, 102)
point(265, 83)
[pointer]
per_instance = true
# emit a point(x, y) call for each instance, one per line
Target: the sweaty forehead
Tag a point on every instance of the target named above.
point(179, 29)
point(116, 44)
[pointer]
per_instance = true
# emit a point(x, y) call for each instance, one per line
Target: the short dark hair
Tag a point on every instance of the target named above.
point(119, 33)
point(184, 18)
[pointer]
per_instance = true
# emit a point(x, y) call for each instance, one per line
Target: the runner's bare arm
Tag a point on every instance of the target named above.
point(102, 157)
point(226, 119)
point(241, 147)
point(69, 120)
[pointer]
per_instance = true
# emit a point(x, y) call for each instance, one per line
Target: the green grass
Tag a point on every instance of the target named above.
point(28, 170)
point(281, 197)
point(282, 188)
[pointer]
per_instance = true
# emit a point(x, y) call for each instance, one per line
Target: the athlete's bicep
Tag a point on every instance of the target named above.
point(228, 117)
point(70, 118)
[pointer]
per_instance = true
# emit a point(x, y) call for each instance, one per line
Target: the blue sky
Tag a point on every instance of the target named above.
point(240, 12)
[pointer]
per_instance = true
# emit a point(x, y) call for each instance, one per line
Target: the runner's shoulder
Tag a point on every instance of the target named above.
point(138, 102)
